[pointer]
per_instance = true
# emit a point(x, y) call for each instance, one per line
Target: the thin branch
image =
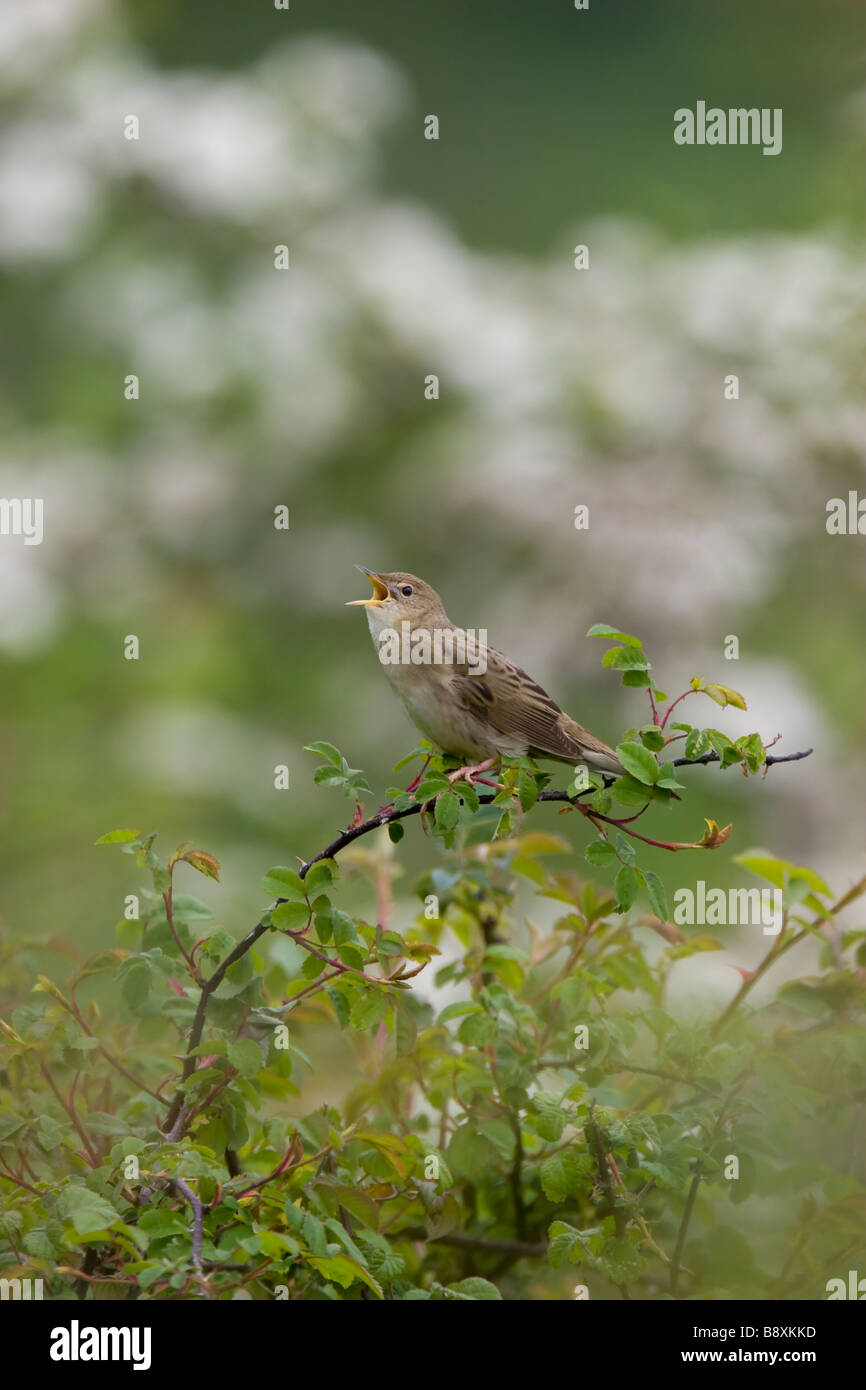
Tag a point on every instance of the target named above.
point(74, 1117)
point(683, 1231)
point(10, 1177)
point(108, 1055)
point(197, 1228)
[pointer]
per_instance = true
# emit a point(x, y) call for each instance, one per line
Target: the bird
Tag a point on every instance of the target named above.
point(478, 709)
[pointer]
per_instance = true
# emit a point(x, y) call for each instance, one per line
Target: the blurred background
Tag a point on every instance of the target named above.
point(305, 388)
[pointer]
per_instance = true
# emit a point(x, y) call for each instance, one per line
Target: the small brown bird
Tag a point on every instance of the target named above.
point(470, 700)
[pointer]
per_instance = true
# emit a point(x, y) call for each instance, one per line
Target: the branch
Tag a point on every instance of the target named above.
point(769, 761)
point(484, 1247)
point(197, 1228)
point(388, 816)
point(177, 1117)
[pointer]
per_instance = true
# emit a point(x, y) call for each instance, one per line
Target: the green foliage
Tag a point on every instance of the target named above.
point(556, 1114)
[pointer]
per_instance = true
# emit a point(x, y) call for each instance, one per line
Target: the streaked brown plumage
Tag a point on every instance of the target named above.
point(500, 712)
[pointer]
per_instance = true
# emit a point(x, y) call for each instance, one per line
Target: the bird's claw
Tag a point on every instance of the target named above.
point(468, 774)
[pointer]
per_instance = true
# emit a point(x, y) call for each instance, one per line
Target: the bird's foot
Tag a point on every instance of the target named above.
point(468, 774)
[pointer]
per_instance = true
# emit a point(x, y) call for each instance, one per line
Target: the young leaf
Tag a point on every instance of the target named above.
point(724, 695)
point(204, 862)
point(327, 751)
point(117, 837)
point(605, 630)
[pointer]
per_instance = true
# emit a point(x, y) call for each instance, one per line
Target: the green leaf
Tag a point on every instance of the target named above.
point(624, 848)
point(600, 853)
point(564, 1173)
point(471, 1154)
point(780, 872)
point(564, 1245)
point(469, 796)
point(86, 1210)
point(135, 977)
point(601, 801)
point(45, 1242)
point(369, 1009)
point(10, 1124)
point(327, 776)
point(447, 811)
point(283, 883)
point(476, 1288)
point(652, 738)
point(477, 1030)
point(620, 1262)
point(697, 743)
point(626, 659)
point(631, 792)
point(550, 1124)
point(625, 886)
point(342, 927)
point(752, 747)
point(246, 1055)
point(725, 748)
point(327, 751)
point(657, 895)
point(118, 837)
point(290, 916)
point(527, 789)
point(433, 784)
point(320, 874)
point(605, 630)
point(671, 1170)
point(639, 762)
point(406, 1029)
point(460, 1006)
point(723, 695)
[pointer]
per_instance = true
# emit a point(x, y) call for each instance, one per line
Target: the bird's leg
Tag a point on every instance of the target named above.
point(466, 774)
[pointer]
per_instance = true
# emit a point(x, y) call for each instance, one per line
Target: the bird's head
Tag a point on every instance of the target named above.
point(398, 598)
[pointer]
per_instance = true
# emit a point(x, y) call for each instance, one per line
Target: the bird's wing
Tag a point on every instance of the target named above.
point(515, 705)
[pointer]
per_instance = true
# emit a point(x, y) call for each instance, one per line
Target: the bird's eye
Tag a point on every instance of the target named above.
point(406, 590)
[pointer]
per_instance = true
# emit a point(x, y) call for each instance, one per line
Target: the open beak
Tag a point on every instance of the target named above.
point(379, 594)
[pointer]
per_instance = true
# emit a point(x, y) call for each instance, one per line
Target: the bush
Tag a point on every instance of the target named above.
point(555, 1133)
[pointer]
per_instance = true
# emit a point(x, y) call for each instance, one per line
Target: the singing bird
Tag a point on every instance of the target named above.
point(480, 709)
